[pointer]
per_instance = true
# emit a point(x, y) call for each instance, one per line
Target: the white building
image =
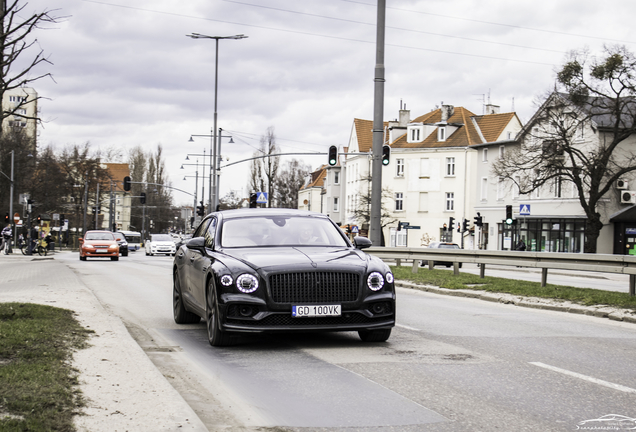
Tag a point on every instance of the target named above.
point(21, 107)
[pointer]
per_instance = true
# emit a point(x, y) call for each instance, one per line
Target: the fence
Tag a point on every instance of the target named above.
point(602, 263)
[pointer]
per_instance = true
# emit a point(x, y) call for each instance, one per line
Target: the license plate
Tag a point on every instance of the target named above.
point(316, 310)
point(101, 250)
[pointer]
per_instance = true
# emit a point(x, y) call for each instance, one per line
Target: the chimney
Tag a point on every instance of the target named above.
point(447, 112)
point(405, 117)
point(492, 109)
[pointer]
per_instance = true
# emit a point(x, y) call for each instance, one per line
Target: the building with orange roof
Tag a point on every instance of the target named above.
point(310, 195)
point(432, 171)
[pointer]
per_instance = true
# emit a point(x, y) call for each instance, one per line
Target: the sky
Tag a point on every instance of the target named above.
point(124, 73)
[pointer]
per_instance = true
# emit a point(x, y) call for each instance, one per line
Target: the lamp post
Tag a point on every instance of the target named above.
point(214, 166)
point(216, 86)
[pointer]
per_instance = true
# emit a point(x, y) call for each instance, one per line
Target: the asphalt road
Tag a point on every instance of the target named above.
point(451, 364)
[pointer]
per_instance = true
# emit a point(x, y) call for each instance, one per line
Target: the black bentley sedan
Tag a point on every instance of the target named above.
point(268, 270)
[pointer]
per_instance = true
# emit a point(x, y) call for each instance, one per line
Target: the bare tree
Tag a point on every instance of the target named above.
point(289, 182)
point(362, 211)
point(17, 43)
point(578, 138)
point(263, 171)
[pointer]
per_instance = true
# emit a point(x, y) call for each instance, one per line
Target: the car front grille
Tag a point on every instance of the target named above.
point(286, 320)
point(314, 287)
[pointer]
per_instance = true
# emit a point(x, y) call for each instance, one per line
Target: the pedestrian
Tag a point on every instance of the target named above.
point(6, 238)
point(49, 240)
point(521, 245)
point(34, 239)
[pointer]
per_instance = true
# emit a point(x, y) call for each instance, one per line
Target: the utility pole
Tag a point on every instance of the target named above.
point(378, 130)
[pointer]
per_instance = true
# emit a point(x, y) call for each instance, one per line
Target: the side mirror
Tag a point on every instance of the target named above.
point(361, 242)
point(118, 239)
point(81, 240)
point(196, 243)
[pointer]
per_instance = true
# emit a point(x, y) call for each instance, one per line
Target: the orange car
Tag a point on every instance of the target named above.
point(99, 244)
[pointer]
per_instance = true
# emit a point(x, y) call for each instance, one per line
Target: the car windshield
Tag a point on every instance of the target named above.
point(99, 236)
point(280, 231)
point(160, 237)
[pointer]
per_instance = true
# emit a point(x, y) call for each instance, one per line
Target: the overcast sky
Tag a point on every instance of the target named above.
point(125, 74)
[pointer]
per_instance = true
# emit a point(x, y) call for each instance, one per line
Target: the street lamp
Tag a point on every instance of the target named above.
point(216, 86)
point(214, 166)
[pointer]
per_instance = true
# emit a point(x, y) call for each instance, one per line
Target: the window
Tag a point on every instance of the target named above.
point(450, 201)
point(485, 155)
point(423, 207)
point(558, 184)
point(441, 133)
point(500, 188)
point(484, 188)
point(515, 187)
point(336, 202)
point(502, 150)
point(118, 216)
point(399, 201)
point(450, 166)
point(415, 134)
point(336, 177)
point(399, 167)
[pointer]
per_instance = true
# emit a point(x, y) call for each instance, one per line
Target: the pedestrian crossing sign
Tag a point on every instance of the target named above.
point(524, 209)
point(261, 197)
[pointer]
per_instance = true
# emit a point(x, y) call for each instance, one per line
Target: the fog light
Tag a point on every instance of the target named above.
point(245, 311)
point(378, 308)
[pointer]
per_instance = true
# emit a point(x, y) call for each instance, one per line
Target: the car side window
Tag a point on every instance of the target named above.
point(210, 233)
point(201, 228)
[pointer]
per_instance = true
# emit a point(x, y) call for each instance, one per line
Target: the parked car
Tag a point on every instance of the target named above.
point(99, 244)
point(278, 270)
point(160, 244)
point(442, 245)
point(123, 244)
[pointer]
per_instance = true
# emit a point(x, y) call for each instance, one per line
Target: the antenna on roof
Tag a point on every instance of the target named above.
point(400, 103)
point(513, 104)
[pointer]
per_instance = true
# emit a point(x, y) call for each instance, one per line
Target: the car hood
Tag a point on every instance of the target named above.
point(270, 259)
point(100, 242)
point(162, 243)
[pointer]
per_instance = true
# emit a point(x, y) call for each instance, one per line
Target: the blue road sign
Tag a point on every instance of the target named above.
point(524, 209)
point(261, 197)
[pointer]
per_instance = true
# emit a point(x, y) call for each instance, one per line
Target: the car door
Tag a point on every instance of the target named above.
point(201, 262)
point(186, 258)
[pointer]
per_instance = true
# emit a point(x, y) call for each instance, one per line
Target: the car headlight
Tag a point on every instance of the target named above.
point(247, 283)
point(226, 280)
point(389, 277)
point(375, 281)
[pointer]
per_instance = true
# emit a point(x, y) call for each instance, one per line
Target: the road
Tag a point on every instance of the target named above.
point(451, 364)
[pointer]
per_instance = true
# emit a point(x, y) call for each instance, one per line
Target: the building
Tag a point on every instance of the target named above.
point(20, 106)
point(311, 194)
point(116, 203)
point(551, 218)
point(428, 186)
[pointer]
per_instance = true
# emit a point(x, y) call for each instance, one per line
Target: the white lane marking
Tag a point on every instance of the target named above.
point(407, 327)
point(586, 378)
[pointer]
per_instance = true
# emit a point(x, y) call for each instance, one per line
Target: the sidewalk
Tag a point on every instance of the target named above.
point(125, 391)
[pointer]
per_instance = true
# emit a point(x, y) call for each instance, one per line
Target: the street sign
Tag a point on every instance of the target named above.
point(354, 229)
point(261, 197)
point(16, 217)
point(411, 227)
point(524, 209)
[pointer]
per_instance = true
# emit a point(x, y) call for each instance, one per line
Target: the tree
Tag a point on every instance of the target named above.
point(579, 138)
point(231, 200)
point(362, 209)
point(16, 42)
point(289, 182)
point(263, 171)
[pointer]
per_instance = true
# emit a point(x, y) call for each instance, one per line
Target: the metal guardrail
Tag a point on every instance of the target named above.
point(602, 263)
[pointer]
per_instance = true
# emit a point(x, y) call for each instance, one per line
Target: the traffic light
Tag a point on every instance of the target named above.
point(126, 183)
point(399, 226)
point(333, 157)
point(386, 154)
point(478, 220)
point(142, 198)
point(509, 215)
point(7, 219)
point(465, 225)
point(451, 223)
point(201, 209)
point(39, 219)
point(253, 200)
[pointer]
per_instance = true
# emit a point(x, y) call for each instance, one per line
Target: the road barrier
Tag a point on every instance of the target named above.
point(602, 263)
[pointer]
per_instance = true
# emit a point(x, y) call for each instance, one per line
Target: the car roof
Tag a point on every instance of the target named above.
point(268, 212)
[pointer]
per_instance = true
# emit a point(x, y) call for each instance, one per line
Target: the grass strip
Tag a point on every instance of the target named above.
point(446, 279)
point(38, 386)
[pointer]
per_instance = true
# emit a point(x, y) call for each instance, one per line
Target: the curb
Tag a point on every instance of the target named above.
point(601, 311)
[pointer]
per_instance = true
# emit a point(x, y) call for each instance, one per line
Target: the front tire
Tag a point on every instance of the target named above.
point(216, 336)
point(181, 315)
point(381, 335)
point(114, 258)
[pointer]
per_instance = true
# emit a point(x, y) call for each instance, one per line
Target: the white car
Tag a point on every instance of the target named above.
point(160, 244)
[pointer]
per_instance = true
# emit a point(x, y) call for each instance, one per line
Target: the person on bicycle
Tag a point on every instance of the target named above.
point(34, 239)
point(6, 238)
